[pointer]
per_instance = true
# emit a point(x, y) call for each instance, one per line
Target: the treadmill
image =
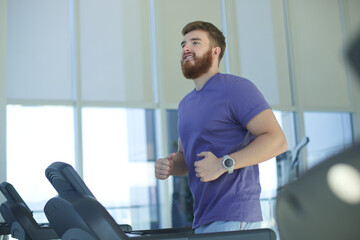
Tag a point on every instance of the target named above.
point(76, 214)
point(20, 222)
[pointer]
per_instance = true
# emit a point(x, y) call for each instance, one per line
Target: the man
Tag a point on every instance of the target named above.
point(225, 129)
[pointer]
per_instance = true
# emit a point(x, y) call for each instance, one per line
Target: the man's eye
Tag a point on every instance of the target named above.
point(195, 43)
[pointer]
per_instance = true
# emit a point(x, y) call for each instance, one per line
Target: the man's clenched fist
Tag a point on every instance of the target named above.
point(164, 166)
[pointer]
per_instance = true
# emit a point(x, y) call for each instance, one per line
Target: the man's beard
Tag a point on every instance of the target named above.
point(199, 67)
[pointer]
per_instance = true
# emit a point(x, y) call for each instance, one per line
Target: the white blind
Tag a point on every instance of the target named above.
point(317, 50)
point(115, 53)
point(351, 9)
point(38, 50)
point(257, 47)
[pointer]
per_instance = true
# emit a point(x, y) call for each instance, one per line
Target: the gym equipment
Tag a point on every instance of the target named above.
point(76, 214)
point(288, 164)
point(28, 229)
point(4, 229)
point(325, 202)
point(19, 218)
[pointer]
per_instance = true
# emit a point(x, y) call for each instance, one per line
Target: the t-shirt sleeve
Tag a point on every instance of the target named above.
point(246, 101)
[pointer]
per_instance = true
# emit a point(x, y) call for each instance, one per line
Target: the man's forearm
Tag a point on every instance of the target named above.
point(262, 148)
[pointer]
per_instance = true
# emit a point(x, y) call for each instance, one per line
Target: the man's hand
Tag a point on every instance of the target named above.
point(164, 166)
point(209, 168)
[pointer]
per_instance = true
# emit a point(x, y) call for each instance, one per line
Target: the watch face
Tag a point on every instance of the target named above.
point(228, 162)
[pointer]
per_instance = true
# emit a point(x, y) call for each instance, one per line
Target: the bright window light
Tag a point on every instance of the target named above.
point(36, 137)
point(329, 133)
point(268, 169)
point(118, 162)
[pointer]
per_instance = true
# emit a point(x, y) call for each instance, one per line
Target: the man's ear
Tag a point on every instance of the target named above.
point(216, 51)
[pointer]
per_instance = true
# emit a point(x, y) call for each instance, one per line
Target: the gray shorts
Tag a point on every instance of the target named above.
point(226, 226)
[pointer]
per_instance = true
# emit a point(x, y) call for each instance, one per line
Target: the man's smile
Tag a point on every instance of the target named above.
point(188, 57)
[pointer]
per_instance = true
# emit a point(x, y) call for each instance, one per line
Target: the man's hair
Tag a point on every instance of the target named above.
point(215, 35)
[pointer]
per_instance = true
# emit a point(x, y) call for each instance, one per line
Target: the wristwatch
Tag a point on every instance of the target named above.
point(228, 163)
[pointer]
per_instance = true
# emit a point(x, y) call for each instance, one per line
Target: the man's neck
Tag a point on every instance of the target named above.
point(200, 81)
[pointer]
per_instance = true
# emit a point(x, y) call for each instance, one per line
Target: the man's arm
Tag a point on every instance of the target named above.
point(174, 164)
point(269, 142)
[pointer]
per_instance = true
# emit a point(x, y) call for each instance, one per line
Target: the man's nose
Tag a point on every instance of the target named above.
point(186, 48)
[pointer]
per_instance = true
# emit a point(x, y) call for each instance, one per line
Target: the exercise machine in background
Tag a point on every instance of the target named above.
point(287, 164)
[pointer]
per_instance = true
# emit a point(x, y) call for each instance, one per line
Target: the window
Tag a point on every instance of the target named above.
point(37, 137)
point(119, 154)
point(329, 133)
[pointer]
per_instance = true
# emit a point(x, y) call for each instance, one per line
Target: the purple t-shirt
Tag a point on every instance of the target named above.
point(214, 119)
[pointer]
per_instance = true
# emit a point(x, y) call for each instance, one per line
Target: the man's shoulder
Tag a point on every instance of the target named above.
point(235, 82)
point(234, 79)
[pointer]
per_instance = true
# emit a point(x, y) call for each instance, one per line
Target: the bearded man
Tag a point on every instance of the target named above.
point(226, 128)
